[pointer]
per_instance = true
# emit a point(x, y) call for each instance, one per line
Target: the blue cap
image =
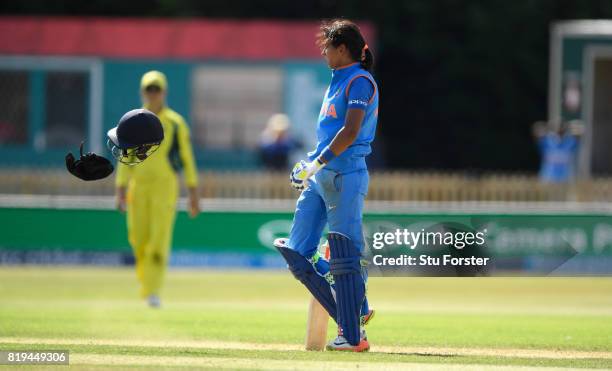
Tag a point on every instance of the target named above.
point(137, 127)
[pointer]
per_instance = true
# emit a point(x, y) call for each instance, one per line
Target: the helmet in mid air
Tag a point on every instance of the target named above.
point(137, 135)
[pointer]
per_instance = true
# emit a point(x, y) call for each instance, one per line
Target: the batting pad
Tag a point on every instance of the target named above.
point(304, 271)
point(349, 284)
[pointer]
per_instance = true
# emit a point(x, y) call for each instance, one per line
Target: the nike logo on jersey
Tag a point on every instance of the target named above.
point(335, 94)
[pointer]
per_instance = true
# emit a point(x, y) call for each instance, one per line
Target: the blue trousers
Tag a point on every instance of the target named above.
point(334, 199)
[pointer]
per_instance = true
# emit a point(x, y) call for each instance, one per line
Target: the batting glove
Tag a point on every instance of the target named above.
point(302, 171)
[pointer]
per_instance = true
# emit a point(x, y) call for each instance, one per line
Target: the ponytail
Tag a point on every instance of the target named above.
point(367, 59)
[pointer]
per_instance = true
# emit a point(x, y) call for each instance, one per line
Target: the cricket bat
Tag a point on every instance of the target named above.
point(318, 318)
point(316, 326)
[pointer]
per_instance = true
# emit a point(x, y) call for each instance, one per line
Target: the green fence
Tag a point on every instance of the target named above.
point(529, 242)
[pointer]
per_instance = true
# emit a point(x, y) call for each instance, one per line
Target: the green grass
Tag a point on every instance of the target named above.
point(98, 315)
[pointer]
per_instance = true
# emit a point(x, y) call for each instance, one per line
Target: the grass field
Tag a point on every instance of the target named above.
point(256, 320)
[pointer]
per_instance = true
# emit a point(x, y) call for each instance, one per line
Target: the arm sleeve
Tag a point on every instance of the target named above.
point(186, 153)
point(360, 92)
point(124, 172)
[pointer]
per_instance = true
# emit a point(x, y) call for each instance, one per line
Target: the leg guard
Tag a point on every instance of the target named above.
point(350, 287)
point(304, 271)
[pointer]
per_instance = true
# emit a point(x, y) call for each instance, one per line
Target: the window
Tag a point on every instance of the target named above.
point(66, 108)
point(14, 96)
point(231, 105)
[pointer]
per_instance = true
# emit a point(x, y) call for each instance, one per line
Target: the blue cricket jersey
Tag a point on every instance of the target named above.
point(338, 99)
point(558, 155)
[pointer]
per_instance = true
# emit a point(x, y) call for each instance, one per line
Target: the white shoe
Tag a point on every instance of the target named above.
point(154, 301)
point(341, 344)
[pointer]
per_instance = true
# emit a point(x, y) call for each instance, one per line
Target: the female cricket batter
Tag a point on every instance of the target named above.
point(149, 190)
point(334, 184)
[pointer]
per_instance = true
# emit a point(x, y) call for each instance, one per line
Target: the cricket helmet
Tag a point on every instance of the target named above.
point(137, 135)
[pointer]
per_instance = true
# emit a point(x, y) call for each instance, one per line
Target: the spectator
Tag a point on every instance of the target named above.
point(558, 150)
point(276, 144)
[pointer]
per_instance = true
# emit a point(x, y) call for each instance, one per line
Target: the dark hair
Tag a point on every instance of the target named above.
point(342, 31)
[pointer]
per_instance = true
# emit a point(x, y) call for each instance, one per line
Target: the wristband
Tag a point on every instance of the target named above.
point(315, 166)
point(327, 155)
